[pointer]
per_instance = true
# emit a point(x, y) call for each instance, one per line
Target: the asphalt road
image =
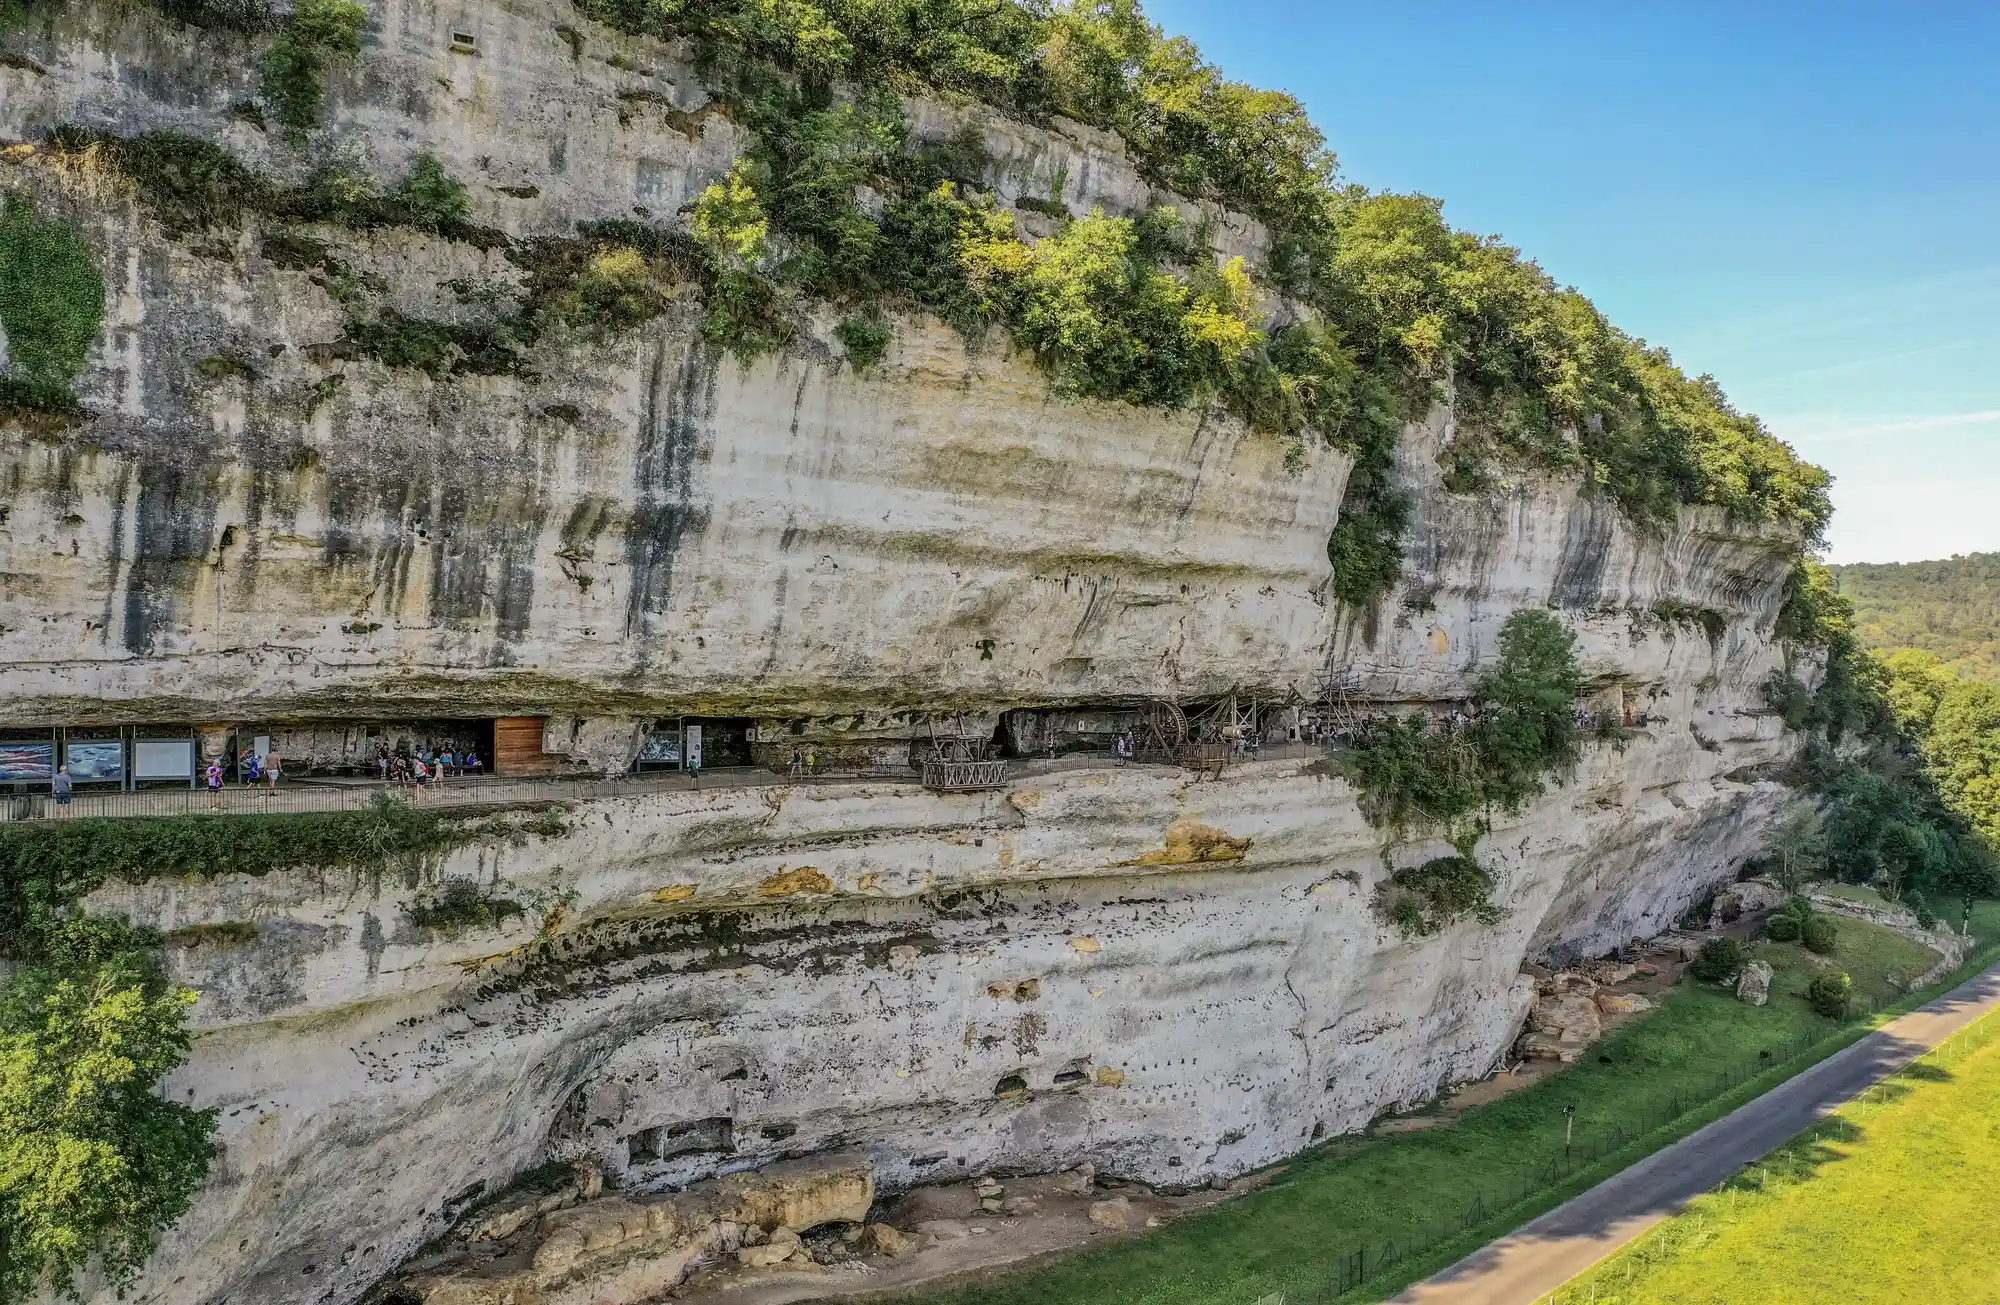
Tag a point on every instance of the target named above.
point(1542, 1255)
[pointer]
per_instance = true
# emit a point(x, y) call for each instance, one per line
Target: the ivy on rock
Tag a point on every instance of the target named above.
point(51, 307)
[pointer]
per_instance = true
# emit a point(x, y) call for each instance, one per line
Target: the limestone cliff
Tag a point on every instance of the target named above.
point(645, 527)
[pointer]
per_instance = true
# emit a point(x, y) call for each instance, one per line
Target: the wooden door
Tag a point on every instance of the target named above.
point(517, 747)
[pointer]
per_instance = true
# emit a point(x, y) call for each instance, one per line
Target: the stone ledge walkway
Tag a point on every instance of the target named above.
point(1543, 1254)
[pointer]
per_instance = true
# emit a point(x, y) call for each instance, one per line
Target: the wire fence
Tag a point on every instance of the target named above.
point(1365, 1263)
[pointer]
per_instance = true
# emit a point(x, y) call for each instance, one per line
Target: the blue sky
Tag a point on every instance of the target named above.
point(1801, 199)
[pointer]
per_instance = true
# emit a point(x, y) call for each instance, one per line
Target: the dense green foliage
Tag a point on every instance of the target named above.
point(1883, 808)
point(1720, 958)
point(320, 36)
point(1782, 928)
point(1956, 725)
point(1949, 607)
point(93, 1161)
point(51, 305)
point(1523, 729)
point(1422, 900)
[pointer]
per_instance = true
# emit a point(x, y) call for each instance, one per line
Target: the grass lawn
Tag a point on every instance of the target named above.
point(1890, 1201)
point(1330, 1201)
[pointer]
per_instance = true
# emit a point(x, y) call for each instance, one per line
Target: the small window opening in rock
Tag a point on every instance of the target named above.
point(464, 41)
point(1010, 1085)
point(643, 1147)
point(779, 1132)
point(228, 536)
point(736, 1075)
point(1071, 1078)
point(1319, 1131)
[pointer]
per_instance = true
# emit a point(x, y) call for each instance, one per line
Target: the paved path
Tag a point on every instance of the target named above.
point(1542, 1255)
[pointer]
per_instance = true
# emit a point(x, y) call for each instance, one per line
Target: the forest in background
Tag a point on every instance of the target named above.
point(1949, 607)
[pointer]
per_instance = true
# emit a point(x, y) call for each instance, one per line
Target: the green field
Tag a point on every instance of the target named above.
point(1890, 1201)
point(1292, 1235)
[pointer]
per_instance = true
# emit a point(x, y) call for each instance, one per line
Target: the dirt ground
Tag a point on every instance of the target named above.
point(1057, 1221)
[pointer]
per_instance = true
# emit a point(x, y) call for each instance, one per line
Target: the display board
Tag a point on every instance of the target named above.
point(661, 748)
point(94, 761)
point(163, 759)
point(25, 760)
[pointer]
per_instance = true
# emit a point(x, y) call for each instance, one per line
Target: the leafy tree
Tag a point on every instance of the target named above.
point(1798, 837)
point(93, 1161)
point(1830, 993)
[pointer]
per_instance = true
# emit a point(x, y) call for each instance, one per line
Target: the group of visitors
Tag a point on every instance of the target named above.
point(425, 767)
point(804, 762)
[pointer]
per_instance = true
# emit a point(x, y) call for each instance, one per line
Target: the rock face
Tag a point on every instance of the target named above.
point(1169, 980)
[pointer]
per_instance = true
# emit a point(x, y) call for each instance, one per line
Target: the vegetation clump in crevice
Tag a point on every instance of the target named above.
point(319, 37)
point(51, 306)
point(1426, 899)
point(47, 867)
point(453, 906)
point(1522, 729)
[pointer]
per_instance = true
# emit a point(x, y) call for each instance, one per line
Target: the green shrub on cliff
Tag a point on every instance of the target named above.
point(322, 35)
point(1522, 730)
point(1425, 899)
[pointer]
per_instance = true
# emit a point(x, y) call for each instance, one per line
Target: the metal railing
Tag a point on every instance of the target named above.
point(337, 793)
point(307, 796)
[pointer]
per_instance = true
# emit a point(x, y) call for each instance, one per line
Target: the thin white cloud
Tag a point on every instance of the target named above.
point(1822, 428)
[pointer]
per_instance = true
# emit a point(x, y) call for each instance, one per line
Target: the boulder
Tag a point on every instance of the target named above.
point(1753, 985)
point(799, 1194)
point(1561, 1025)
point(1621, 1003)
point(1020, 1205)
point(1078, 1181)
point(881, 1239)
point(943, 1230)
point(1114, 1215)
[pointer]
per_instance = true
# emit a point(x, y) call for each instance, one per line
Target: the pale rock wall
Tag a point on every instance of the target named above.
point(648, 528)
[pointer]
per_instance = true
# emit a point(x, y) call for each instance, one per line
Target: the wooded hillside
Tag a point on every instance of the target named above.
point(1949, 607)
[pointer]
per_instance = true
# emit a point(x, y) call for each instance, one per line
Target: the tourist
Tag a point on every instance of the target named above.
point(63, 787)
point(444, 764)
point(420, 775)
point(273, 768)
point(1121, 749)
point(797, 768)
point(382, 762)
point(214, 777)
point(471, 762)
